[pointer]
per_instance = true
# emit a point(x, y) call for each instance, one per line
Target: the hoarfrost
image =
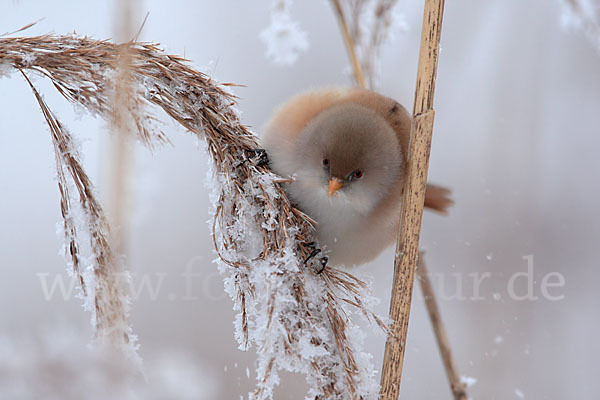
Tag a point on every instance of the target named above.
point(28, 59)
point(58, 363)
point(295, 319)
point(372, 25)
point(263, 320)
point(468, 380)
point(284, 38)
point(86, 249)
point(5, 70)
point(582, 16)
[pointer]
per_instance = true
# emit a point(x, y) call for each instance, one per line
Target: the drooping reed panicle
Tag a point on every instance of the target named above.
point(293, 315)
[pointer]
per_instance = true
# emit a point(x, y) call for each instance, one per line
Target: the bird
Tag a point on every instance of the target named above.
point(345, 150)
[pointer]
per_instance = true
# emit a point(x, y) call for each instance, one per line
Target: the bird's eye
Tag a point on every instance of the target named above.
point(357, 174)
point(326, 162)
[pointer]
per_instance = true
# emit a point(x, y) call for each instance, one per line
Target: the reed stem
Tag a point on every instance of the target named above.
point(414, 198)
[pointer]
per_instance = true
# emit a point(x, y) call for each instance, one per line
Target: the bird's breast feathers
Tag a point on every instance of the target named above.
point(348, 232)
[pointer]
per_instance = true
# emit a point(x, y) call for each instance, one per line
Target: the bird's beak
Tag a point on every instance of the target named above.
point(334, 185)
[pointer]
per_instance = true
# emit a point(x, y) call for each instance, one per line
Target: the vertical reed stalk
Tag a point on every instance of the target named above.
point(458, 388)
point(120, 146)
point(414, 198)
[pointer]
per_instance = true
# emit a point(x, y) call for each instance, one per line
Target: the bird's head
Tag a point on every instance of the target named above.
point(350, 156)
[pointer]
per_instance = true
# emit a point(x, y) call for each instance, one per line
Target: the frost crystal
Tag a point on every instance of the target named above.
point(296, 319)
point(58, 364)
point(372, 24)
point(28, 59)
point(284, 316)
point(5, 70)
point(284, 38)
point(583, 16)
point(468, 380)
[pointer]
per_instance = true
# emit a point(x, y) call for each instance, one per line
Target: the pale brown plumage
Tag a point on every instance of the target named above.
point(347, 150)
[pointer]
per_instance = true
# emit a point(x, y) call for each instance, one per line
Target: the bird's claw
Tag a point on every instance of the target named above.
point(315, 250)
point(324, 261)
point(311, 255)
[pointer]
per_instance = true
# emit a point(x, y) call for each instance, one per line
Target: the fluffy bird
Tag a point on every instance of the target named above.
point(346, 150)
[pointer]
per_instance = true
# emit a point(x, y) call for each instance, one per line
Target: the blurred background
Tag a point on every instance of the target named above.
point(516, 139)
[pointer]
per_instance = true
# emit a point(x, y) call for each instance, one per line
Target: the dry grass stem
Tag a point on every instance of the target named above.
point(108, 304)
point(414, 198)
point(458, 388)
point(365, 25)
point(350, 45)
point(120, 147)
point(249, 203)
point(370, 54)
point(379, 33)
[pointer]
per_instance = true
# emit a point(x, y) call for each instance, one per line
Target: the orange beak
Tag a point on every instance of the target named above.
point(334, 185)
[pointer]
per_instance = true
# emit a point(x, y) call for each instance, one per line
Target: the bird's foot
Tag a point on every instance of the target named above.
point(324, 261)
point(314, 252)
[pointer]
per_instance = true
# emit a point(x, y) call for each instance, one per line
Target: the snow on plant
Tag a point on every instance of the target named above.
point(584, 16)
point(103, 286)
point(371, 24)
point(292, 308)
point(284, 38)
point(63, 366)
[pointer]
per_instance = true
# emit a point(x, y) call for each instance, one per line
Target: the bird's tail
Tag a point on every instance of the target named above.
point(438, 199)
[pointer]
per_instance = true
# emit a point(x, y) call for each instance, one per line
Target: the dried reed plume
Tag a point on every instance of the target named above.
point(292, 314)
point(109, 302)
point(368, 24)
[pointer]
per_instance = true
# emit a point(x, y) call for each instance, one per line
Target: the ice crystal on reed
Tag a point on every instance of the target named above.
point(288, 332)
point(284, 38)
point(59, 364)
point(582, 16)
point(296, 319)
